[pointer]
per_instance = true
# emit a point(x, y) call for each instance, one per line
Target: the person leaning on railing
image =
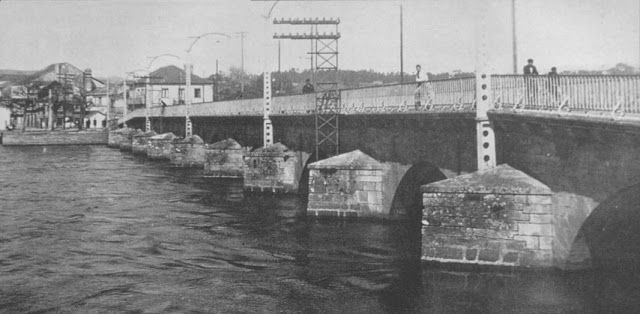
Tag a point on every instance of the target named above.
point(421, 79)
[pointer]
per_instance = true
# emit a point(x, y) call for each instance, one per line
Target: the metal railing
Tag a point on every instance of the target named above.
point(451, 95)
point(616, 94)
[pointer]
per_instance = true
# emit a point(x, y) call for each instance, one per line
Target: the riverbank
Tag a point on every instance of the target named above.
point(57, 137)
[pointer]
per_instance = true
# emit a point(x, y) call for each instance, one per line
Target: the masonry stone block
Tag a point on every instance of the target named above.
point(531, 242)
point(471, 254)
point(510, 257)
point(448, 252)
point(537, 208)
point(546, 230)
point(546, 243)
point(489, 255)
point(541, 218)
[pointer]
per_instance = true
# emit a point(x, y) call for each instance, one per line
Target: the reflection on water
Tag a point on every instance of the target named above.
point(89, 229)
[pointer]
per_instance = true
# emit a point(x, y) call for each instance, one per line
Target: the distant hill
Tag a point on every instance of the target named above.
point(15, 72)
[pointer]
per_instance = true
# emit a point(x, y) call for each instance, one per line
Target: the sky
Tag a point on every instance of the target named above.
point(113, 37)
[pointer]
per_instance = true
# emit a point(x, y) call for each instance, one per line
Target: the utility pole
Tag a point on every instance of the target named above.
point(147, 103)
point(50, 121)
point(513, 33)
point(84, 100)
point(124, 97)
point(401, 46)
point(217, 82)
point(279, 73)
point(108, 105)
point(242, 62)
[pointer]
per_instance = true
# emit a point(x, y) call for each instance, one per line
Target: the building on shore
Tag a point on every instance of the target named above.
point(53, 97)
point(167, 87)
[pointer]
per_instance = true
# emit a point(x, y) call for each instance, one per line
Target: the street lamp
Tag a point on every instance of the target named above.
point(188, 69)
point(148, 95)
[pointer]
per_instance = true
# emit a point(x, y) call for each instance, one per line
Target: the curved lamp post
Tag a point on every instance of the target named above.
point(147, 89)
point(188, 69)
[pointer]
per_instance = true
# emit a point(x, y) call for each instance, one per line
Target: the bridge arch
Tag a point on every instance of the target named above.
point(407, 197)
point(602, 236)
point(611, 233)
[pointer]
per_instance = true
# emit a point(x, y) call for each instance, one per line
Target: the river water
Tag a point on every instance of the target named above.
point(90, 229)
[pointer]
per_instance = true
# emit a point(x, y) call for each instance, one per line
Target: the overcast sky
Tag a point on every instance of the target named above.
point(116, 36)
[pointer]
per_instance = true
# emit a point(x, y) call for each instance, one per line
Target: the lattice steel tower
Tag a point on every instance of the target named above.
point(324, 69)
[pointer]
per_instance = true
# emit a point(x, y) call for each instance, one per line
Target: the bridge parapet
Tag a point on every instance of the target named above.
point(614, 95)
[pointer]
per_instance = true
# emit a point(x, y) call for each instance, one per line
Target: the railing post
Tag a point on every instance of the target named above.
point(267, 129)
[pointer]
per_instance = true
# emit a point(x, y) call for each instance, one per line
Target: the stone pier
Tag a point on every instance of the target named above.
point(126, 145)
point(352, 185)
point(188, 152)
point(116, 137)
point(160, 146)
point(140, 141)
point(225, 159)
point(498, 216)
point(274, 169)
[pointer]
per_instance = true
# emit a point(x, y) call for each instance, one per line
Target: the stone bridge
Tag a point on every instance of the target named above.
point(576, 135)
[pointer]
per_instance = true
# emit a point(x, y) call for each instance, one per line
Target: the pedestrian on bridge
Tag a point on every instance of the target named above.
point(530, 86)
point(308, 87)
point(530, 69)
point(421, 79)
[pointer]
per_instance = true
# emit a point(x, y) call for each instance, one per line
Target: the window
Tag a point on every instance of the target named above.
point(196, 93)
point(181, 93)
point(165, 91)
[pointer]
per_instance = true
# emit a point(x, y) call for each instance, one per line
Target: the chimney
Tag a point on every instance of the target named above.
point(86, 78)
